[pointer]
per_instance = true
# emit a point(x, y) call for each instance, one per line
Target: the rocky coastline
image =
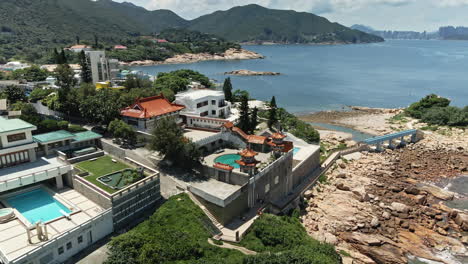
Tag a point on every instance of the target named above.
point(387, 207)
point(251, 73)
point(230, 54)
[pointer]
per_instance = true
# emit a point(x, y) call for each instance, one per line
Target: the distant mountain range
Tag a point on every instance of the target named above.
point(444, 33)
point(26, 25)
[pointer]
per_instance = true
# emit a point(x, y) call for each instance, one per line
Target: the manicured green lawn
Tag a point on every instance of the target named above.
point(100, 167)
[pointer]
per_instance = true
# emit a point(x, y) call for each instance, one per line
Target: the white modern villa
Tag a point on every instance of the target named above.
point(51, 204)
point(204, 108)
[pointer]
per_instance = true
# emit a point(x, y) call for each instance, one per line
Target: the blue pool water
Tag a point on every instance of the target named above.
point(229, 159)
point(37, 205)
point(296, 150)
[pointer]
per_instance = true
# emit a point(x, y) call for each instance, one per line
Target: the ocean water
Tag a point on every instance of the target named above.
point(394, 73)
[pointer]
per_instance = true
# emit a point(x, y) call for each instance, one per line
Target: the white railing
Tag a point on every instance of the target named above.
point(76, 229)
point(33, 177)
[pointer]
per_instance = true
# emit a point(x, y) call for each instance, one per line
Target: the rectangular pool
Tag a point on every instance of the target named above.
point(37, 205)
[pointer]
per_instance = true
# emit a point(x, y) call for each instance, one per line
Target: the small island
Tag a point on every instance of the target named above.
point(250, 73)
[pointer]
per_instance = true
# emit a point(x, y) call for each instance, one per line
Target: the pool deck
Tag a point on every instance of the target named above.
point(210, 159)
point(14, 239)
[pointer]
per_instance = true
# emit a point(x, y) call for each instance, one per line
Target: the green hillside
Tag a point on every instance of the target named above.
point(256, 23)
point(31, 28)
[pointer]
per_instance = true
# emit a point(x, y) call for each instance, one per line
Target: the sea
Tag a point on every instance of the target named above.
point(313, 78)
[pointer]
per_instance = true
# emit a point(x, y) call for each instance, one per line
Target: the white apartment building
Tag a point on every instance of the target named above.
point(204, 108)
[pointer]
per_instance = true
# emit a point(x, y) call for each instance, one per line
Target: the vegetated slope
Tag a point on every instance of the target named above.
point(27, 27)
point(256, 23)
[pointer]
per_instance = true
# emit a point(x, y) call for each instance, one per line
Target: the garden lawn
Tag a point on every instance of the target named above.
point(101, 167)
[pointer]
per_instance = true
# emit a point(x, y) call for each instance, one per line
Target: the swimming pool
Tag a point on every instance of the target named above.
point(229, 159)
point(37, 205)
point(296, 150)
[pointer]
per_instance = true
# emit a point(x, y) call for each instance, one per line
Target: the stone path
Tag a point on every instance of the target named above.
point(230, 246)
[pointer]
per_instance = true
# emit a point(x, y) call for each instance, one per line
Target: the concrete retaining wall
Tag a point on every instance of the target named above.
point(86, 188)
point(306, 167)
point(86, 157)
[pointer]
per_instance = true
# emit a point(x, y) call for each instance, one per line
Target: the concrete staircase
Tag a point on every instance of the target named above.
point(206, 211)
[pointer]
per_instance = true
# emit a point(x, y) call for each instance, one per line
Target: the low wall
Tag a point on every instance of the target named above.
point(305, 167)
point(92, 192)
point(113, 150)
point(90, 232)
point(86, 157)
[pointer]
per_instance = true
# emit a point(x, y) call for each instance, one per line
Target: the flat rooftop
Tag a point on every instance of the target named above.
point(196, 94)
point(25, 169)
point(197, 135)
point(7, 125)
point(14, 239)
point(216, 188)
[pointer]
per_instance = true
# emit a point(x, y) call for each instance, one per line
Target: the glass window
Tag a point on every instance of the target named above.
point(276, 179)
point(60, 250)
point(267, 188)
point(69, 245)
point(16, 137)
point(213, 102)
point(213, 112)
point(80, 239)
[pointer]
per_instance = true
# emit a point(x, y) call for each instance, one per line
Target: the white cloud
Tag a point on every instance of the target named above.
point(452, 3)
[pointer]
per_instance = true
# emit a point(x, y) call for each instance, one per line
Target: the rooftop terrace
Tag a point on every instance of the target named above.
point(13, 236)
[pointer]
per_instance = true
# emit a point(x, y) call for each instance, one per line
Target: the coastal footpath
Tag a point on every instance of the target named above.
point(389, 207)
point(230, 54)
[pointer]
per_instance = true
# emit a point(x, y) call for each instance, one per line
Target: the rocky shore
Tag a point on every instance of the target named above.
point(385, 207)
point(230, 54)
point(251, 73)
point(368, 120)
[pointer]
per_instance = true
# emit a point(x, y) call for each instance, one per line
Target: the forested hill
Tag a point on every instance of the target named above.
point(28, 27)
point(257, 23)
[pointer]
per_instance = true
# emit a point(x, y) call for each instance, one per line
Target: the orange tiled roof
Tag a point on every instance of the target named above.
point(287, 145)
point(223, 166)
point(150, 107)
point(248, 153)
point(120, 47)
point(256, 139)
point(278, 136)
point(228, 125)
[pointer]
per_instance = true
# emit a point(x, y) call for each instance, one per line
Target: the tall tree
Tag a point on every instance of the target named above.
point(77, 39)
point(102, 108)
point(272, 115)
point(273, 102)
point(14, 94)
point(62, 57)
point(168, 139)
point(227, 88)
point(56, 56)
point(86, 75)
point(244, 119)
point(65, 80)
point(253, 120)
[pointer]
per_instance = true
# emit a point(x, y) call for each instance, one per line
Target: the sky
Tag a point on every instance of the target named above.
point(417, 15)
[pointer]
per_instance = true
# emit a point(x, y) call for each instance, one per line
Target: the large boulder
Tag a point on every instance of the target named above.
point(362, 239)
point(462, 220)
point(438, 192)
point(387, 254)
point(399, 207)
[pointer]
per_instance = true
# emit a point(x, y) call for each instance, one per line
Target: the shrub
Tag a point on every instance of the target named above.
point(48, 125)
point(63, 125)
point(417, 109)
point(451, 116)
point(76, 128)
